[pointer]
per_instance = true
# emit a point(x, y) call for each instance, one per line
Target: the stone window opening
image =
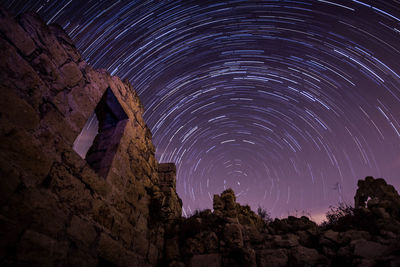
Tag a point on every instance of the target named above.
point(99, 139)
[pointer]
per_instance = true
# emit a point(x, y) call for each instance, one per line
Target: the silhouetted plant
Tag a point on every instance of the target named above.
point(345, 217)
point(264, 214)
point(335, 214)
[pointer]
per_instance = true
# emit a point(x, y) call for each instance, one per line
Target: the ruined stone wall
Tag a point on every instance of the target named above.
point(54, 208)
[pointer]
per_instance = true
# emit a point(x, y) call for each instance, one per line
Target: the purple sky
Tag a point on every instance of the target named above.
point(287, 102)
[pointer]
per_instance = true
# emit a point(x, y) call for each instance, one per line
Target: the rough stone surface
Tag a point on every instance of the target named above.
point(55, 209)
point(381, 195)
point(59, 209)
point(206, 260)
point(368, 249)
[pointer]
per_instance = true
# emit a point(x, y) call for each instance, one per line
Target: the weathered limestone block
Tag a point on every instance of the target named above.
point(40, 250)
point(93, 183)
point(272, 258)
point(102, 213)
point(111, 250)
point(72, 74)
point(172, 251)
point(71, 191)
point(206, 260)
point(233, 235)
point(43, 37)
point(303, 256)
point(368, 249)
point(48, 71)
point(17, 73)
point(381, 194)
point(33, 208)
point(14, 32)
point(81, 231)
point(65, 42)
point(11, 179)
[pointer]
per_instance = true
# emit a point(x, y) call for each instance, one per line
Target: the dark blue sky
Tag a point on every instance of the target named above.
point(287, 102)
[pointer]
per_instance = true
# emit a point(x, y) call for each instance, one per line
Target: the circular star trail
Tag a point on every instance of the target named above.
point(287, 102)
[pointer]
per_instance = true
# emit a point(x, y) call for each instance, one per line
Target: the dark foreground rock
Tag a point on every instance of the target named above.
point(233, 235)
point(116, 205)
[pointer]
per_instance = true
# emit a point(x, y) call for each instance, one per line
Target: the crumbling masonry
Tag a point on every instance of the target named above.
point(57, 208)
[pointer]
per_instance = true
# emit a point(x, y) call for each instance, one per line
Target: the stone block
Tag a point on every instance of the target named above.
point(41, 250)
point(16, 74)
point(368, 249)
point(111, 250)
point(233, 235)
point(65, 42)
point(272, 258)
point(24, 152)
point(69, 189)
point(81, 231)
point(16, 112)
point(153, 255)
point(102, 213)
point(15, 33)
point(95, 182)
point(10, 179)
point(71, 73)
point(172, 250)
point(33, 208)
point(9, 235)
point(303, 256)
point(43, 37)
point(205, 260)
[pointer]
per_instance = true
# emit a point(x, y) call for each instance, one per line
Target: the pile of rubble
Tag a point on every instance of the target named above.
point(233, 235)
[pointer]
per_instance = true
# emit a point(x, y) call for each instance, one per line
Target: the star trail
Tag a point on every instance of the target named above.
point(288, 103)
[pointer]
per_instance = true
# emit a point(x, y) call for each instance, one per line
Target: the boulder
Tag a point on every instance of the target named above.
point(233, 235)
point(205, 260)
point(368, 249)
point(272, 258)
point(303, 256)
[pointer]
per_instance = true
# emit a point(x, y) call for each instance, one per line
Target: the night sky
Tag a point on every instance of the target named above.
point(289, 103)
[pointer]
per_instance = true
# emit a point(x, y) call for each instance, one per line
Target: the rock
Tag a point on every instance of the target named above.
point(330, 239)
point(176, 264)
point(272, 258)
point(292, 224)
point(351, 235)
point(381, 212)
point(305, 238)
point(218, 204)
point(288, 241)
point(233, 235)
point(14, 32)
point(72, 74)
point(194, 246)
point(172, 249)
point(210, 240)
point(43, 37)
point(345, 252)
point(205, 260)
point(81, 231)
point(381, 194)
point(332, 235)
point(303, 256)
point(40, 250)
point(329, 252)
point(368, 249)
